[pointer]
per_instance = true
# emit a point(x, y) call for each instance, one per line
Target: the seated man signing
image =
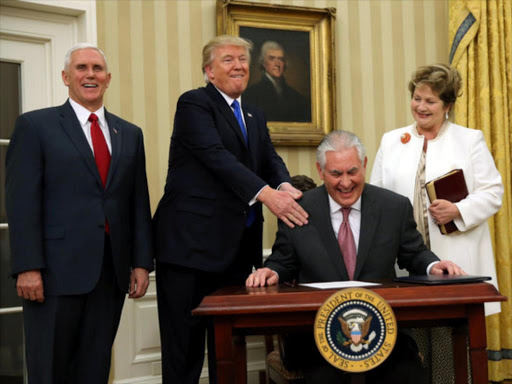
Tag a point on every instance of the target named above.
point(381, 230)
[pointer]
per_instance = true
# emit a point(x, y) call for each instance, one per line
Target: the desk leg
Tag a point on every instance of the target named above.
point(240, 351)
point(477, 344)
point(230, 354)
point(460, 350)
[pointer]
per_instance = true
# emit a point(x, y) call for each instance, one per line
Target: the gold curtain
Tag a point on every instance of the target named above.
point(481, 37)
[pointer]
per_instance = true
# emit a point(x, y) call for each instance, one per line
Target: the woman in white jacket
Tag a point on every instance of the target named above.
point(432, 146)
point(411, 156)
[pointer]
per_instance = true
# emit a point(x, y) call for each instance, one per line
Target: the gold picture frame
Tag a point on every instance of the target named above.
point(307, 37)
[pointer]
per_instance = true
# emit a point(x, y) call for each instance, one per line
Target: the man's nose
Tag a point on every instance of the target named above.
point(238, 63)
point(345, 181)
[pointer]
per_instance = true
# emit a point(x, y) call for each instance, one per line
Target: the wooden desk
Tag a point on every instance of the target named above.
point(240, 311)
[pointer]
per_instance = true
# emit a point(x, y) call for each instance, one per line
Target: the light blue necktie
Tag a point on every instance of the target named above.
point(238, 114)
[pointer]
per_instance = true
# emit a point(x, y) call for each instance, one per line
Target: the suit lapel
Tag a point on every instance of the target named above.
point(71, 126)
point(369, 220)
point(226, 111)
point(324, 225)
point(250, 124)
point(115, 130)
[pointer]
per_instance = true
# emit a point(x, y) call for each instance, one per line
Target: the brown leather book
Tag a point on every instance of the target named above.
point(452, 187)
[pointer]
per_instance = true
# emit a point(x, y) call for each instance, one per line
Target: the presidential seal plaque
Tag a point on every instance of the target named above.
point(355, 330)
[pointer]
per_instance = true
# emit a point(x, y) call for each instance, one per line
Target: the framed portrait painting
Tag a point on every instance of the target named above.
point(292, 66)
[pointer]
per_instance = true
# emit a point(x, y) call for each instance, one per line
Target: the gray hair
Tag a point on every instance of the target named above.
point(339, 141)
point(222, 41)
point(267, 46)
point(77, 47)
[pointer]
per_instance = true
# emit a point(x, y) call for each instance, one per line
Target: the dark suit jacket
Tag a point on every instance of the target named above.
point(290, 105)
point(212, 177)
point(388, 231)
point(56, 203)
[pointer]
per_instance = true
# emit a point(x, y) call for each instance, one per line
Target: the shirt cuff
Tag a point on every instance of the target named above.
point(255, 198)
point(430, 266)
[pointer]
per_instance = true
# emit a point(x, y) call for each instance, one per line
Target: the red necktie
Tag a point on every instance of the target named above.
point(347, 244)
point(101, 153)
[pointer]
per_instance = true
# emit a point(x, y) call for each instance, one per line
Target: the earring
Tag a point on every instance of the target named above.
point(446, 116)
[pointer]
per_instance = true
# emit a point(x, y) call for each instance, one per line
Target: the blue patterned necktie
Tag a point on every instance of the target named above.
point(238, 114)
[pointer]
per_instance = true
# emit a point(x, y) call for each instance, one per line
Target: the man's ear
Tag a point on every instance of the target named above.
point(209, 72)
point(320, 172)
point(65, 78)
point(109, 77)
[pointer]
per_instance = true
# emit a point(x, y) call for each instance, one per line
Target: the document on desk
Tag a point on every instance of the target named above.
point(340, 284)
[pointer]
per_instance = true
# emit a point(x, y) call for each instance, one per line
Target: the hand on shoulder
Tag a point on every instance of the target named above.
point(283, 205)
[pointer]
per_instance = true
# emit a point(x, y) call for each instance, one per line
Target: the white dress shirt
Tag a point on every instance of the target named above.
point(354, 218)
point(83, 114)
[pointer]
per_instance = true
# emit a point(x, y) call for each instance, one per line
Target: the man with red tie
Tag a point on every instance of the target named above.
point(80, 225)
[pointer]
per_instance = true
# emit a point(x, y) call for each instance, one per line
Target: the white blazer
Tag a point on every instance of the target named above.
point(396, 166)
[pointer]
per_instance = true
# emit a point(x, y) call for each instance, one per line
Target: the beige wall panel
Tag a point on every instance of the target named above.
point(429, 14)
point(153, 79)
point(355, 71)
point(126, 49)
point(163, 100)
point(398, 59)
point(369, 80)
point(419, 30)
point(154, 51)
point(108, 13)
point(344, 101)
point(173, 85)
point(209, 22)
point(380, 114)
point(133, 51)
point(411, 44)
point(196, 34)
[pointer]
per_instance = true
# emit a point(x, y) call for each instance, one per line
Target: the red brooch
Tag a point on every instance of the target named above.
point(405, 138)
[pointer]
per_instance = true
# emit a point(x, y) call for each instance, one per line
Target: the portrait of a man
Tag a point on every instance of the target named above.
point(282, 91)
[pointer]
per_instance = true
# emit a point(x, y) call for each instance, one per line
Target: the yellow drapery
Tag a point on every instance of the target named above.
point(481, 38)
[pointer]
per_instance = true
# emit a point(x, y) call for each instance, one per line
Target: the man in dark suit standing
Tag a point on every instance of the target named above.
point(80, 225)
point(208, 225)
point(356, 231)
